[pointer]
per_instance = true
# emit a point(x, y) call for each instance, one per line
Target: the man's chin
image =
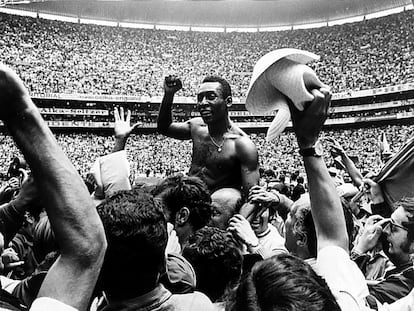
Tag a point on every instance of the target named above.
point(206, 119)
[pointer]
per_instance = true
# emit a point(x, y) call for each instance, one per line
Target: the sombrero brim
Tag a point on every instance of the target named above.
point(261, 95)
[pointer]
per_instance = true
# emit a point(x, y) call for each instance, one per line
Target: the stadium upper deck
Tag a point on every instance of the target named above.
point(59, 57)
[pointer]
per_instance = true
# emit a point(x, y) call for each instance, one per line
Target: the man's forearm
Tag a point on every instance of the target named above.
point(325, 203)
point(165, 114)
point(353, 172)
point(120, 144)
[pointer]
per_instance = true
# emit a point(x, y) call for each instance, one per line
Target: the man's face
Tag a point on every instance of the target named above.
point(221, 216)
point(210, 102)
point(290, 237)
point(224, 205)
point(397, 237)
point(260, 223)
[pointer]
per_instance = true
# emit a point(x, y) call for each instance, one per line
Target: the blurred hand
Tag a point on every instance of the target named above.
point(308, 123)
point(172, 84)
point(122, 125)
point(373, 190)
point(14, 183)
point(10, 259)
point(258, 194)
point(335, 146)
point(241, 228)
point(28, 193)
point(371, 233)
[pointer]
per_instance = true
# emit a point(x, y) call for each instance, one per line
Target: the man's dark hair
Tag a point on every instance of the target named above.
point(283, 282)
point(136, 231)
point(216, 259)
point(180, 191)
point(225, 86)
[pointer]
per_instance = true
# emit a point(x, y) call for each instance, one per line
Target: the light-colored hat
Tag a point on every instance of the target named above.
point(347, 190)
point(279, 74)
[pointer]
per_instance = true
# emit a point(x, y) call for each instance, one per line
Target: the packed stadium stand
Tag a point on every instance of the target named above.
point(78, 72)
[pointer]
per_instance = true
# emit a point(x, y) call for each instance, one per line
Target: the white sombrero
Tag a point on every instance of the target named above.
point(279, 74)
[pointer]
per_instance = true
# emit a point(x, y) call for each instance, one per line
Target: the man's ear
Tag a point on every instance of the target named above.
point(182, 216)
point(302, 240)
point(229, 101)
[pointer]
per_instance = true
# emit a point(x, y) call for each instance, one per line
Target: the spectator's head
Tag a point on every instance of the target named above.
point(225, 202)
point(283, 282)
point(300, 229)
point(213, 99)
point(44, 240)
point(260, 222)
point(187, 203)
point(216, 259)
point(400, 232)
point(136, 232)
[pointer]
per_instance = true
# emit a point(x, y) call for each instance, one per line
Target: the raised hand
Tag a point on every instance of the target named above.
point(335, 146)
point(307, 124)
point(14, 97)
point(122, 125)
point(172, 84)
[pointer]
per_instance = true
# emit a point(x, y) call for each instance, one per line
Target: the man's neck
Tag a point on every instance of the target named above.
point(219, 128)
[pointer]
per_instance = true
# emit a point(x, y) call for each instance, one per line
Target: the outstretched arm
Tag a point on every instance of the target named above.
point(325, 203)
point(74, 220)
point(165, 125)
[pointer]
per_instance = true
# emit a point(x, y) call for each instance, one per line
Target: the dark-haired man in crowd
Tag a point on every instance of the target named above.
point(223, 155)
point(187, 204)
point(136, 231)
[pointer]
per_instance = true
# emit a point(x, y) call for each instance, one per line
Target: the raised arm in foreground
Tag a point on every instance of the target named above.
point(325, 203)
point(165, 125)
point(74, 220)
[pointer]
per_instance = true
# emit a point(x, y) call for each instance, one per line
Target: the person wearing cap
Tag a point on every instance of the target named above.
point(223, 155)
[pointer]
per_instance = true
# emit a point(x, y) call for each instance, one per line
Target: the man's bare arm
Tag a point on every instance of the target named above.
point(353, 172)
point(74, 220)
point(165, 125)
point(325, 203)
point(249, 163)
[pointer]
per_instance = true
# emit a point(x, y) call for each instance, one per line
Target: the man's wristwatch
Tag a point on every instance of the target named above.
point(315, 151)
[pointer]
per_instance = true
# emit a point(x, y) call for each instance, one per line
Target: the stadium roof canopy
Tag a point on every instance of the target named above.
point(222, 13)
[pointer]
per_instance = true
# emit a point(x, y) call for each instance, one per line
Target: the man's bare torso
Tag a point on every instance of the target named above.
point(216, 161)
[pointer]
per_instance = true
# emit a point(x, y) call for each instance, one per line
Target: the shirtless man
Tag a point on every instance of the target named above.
point(223, 155)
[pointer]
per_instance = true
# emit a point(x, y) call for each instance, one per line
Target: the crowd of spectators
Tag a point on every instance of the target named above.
point(157, 155)
point(61, 57)
point(331, 238)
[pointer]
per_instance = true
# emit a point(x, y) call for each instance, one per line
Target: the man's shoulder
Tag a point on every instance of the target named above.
point(192, 301)
point(197, 122)
point(242, 140)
